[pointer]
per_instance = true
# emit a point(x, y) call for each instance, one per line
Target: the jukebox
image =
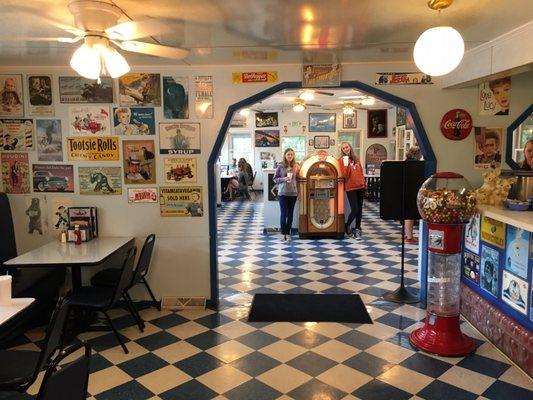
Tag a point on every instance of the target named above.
point(321, 196)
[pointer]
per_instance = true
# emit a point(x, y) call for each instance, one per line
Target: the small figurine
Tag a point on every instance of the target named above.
point(494, 189)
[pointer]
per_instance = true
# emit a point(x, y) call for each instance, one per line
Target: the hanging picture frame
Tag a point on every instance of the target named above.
point(321, 142)
point(322, 122)
point(377, 123)
point(349, 121)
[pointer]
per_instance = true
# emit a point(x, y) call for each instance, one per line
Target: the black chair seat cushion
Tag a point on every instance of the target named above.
point(17, 367)
point(107, 277)
point(92, 297)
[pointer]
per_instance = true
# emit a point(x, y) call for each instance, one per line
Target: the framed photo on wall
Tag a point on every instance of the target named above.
point(321, 142)
point(377, 123)
point(322, 122)
point(266, 119)
point(349, 121)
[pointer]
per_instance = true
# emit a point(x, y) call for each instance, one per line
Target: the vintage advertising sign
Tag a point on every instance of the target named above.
point(375, 155)
point(517, 251)
point(11, 96)
point(100, 180)
point(58, 212)
point(490, 267)
point(49, 140)
point(487, 147)
point(179, 138)
point(36, 214)
point(471, 266)
point(139, 161)
point(321, 75)
point(472, 234)
point(515, 292)
point(176, 97)
point(142, 195)
point(89, 120)
point(203, 95)
point(16, 134)
point(254, 77)
point(493, 232)
point(102, 148)
point(402, 78)
point(76, 89)
point(140, 89)
point(495, 96)
point(181, 201)
point(15, 172)
point(41, 102)
point(180, 170)
point(53, 178)
point(133, 121)
point(456, 124)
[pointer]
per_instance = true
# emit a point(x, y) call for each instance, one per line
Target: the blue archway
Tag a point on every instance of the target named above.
point(419, 132)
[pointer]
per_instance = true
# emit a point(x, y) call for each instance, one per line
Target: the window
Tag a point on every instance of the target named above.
point(241, 146)
point(297, 143)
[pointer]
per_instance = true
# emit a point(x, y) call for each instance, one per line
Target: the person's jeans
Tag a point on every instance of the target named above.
point(286, 205)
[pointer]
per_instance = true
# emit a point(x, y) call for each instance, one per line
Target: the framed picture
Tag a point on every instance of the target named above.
point(265, 120)
point(349, 121)
point(267, 138)
point(377, 123)
point(321, 142)
point(322, 122)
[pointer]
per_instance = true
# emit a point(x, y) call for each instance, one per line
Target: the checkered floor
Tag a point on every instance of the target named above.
point(197, 355)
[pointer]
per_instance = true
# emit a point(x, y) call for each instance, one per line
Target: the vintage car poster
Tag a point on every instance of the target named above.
point(254, 77)
point(17, 134)
point(487, 147)
point(89, 120)
point(321, 75)
point(180, 169)
point(495, 96)
point(266, 119)
point(77, 89)
point(267, 138)
point(133, 121)
point(11, 97)
point(471, 266)
point(58, 212)
point(176, 97)
point(490, 266)
point(517, 251)
point(203, 96)
point(139, 162)
point(179, 138)
point(181, 201)
point(100, 180)
point(472, 230)
point(140, 89)
point(493, 232)
point(15, 172)
point(102, 148)
point(49, 140)
point(41, 103)
point(402, 78)
point(37, 215)
point(53, 178)
point(142, 195)
point(514, 292)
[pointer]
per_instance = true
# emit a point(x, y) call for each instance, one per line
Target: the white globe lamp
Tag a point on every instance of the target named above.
point(439, 50)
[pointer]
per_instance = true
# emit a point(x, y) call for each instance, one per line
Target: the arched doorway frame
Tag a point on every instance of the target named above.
point(419, 132)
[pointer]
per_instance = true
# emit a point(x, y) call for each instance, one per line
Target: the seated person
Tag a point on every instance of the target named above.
point(232, 168)
point(241, 181)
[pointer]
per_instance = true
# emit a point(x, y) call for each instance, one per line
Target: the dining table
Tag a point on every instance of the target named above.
point(17, 306)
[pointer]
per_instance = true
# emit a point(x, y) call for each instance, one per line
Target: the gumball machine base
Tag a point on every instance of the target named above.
point(442, 336)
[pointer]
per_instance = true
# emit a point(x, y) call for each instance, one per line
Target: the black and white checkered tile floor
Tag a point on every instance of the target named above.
point(197, 355)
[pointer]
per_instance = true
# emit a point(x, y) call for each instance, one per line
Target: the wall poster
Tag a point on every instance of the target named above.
point(17, 134)
point(402, 78)
point(179, 138)
point(514, 292)
point(139, 161)
point(471, 266)
point(140, 89)
point(53, 178)
point(493, 232)
point(472, 230)
point(490, 266)
point(181, 201)
point(495, 96)
point(178, 169)
point(267, 138)
point(142, 195)
point(176, 97)
point(41, 103)
point(203, 96)
point(89, 120)
point(266, 119)
point(77, 89)
point(59, 212)
point(37, 214)
point(377, 123)
point(487, 147)
point(100, 180)
point(49, 140)
point(11, 96)
point(517, 251)
point(102, 148)
point(15, 172)
point(321, 75)
point(133, 121)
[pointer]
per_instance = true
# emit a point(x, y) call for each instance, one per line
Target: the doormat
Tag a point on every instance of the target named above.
point(308, 308)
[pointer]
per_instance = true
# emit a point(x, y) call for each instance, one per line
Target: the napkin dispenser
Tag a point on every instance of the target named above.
point(5, 290)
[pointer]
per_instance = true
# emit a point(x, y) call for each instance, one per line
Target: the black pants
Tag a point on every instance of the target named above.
point(286, 205)
point(355, 198)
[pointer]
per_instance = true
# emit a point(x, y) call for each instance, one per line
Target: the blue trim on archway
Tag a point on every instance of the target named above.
point(509, 147)
point(419, 132)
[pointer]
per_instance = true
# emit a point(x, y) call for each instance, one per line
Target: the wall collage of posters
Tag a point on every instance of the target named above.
point(102, 126)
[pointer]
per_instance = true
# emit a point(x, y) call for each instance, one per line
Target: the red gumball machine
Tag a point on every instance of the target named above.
point(446, 203)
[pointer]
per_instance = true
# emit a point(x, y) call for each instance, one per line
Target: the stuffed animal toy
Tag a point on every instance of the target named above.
point(494, 189)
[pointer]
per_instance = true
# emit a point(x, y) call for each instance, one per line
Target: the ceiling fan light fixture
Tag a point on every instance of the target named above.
point(86, 62)
point(244, 112)
point(298, 107)
point(115, 64)
point(348, 109)
point(368, 101)
point(307, 95)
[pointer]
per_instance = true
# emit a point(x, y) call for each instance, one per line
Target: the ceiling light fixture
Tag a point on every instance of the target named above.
point(368, 101)
point(244, 112)
point(348, 108)
point(307, 95)
point(96, 57)
point(439, 50)
point(298, 105)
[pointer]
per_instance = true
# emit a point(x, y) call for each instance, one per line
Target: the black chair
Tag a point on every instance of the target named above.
point(19, 368)
point(102, 299)
point(251, 185)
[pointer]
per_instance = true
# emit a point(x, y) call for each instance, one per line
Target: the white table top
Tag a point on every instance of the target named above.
point(226, 176)
point(520, 219)
point(87, 253)
point(17, 305)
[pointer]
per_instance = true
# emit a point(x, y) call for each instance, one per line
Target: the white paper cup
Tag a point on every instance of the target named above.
point(5, 290)
point(289, 175)
point(345, 160)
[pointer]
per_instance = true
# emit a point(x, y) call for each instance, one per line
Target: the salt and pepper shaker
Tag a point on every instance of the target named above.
point(77, 233)
point(63, 237)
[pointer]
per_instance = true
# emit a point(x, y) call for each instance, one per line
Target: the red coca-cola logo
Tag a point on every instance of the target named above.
point(456, 124)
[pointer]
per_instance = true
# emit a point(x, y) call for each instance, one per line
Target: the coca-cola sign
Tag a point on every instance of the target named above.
point(456, 124)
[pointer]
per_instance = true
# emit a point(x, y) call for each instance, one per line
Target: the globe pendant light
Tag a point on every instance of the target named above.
point(439, 50)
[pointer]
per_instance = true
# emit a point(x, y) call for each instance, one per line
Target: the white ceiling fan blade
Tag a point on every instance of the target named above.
point(70, 29)
point(153, 49)
point(39, 39)
point(137, 29)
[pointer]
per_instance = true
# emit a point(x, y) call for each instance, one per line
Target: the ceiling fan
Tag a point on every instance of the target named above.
point(349, 106)
point(96, 23)
point(307, 94)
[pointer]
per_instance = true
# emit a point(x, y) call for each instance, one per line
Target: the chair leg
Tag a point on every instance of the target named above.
point(110, 323)
point(156, 303)
point(133, 313)
point(135, 309)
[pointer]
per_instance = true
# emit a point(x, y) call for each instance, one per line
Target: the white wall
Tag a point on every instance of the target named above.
point(181, 258)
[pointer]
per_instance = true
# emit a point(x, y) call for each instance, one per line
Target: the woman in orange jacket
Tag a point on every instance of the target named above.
point(354, 185)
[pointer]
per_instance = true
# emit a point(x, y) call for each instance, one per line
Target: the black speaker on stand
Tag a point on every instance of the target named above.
point(400, 182)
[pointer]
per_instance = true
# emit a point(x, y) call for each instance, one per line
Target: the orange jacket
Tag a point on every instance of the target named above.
point(353, 176)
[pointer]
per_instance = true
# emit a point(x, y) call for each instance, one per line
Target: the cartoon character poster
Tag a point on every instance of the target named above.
point(180, 170)
point(514, 292)
point(176, 97)
point(15, 172)
point(89, 120)
point(49, 140)
point(59, 213)
point(77, 89)
point(41, 102)
point(179, 138)
point(203, 96)
point(100, 180)
point(517, 251)
point(471, 266)
point(140, 89)
point(17, 134)
point(180, 201)
point(11, 100)
point(472, 230)
point(37, 215)
point(489, 269)
point(495, 96)
point(133, 121)
point(53, 178)
point(139, 162)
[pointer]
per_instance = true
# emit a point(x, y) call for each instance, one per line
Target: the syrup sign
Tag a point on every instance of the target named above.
point(456, 124)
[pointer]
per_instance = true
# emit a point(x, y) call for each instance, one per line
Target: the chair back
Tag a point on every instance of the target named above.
point(126, 274)
point(70, 380)
point(253, 178)
point(8, 246)
point(143, 264)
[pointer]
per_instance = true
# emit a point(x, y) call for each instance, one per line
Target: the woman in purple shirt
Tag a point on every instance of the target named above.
point(285, 178)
